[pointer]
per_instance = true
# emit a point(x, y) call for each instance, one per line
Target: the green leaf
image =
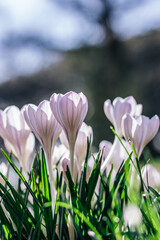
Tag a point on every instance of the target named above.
point(19, 199)
point(93, 180)
point(48, 215)
point(6, 224)
point(56, 206)
point(83, 218)
point(154, 192)
point(20, 176)
point(34, 189)
point(73, 189)
point(82, 186)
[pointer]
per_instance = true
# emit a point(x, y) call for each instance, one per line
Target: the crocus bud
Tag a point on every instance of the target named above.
point(85, 132)
point(115, 111)
point(151, 176)
point(46, 128)
point(44, 125)
point(16, 134)
point(70, 110)
point(140, 130)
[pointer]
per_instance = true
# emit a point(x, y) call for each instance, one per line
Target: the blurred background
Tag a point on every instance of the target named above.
point(104, 48)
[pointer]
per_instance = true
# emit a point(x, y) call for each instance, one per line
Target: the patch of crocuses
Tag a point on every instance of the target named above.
point(67, 141)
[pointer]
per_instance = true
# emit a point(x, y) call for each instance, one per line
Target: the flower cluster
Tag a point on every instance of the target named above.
point(63, 116)
point(58, 125)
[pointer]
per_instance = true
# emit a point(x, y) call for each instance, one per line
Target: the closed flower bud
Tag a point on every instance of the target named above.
point(44, 125)
point(70, 110)
point(46, 128)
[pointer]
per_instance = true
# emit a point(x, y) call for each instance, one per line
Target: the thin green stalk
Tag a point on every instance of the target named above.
point(72, 145)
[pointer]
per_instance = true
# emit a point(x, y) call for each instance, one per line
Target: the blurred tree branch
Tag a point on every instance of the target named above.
point(101, 12)
point(96, 11)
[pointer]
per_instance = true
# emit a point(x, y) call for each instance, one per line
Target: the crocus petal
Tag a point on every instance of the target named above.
point(152, 129)
point(108, 110)
point(63, 139)
point(127, 126)
point(120, 108)
point(151, 176)
point(138, 110)
point(107, 147)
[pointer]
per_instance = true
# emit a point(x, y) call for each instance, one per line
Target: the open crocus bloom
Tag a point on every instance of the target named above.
point(115, 111)
point(85, 132)
point(70, 110)
point(16, 134)
point(140, 130)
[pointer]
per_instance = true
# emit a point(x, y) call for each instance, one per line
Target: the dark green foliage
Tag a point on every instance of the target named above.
point(96, 207)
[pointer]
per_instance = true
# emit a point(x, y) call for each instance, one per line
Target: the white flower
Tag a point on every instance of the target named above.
point(140, 130)
point(132, 215)
point(17, 135)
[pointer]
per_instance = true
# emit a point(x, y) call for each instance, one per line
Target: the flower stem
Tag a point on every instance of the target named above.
point(72, 144)
point(52, 183)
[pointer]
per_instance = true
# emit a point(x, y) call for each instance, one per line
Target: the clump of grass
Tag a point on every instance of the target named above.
point(94, 212)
